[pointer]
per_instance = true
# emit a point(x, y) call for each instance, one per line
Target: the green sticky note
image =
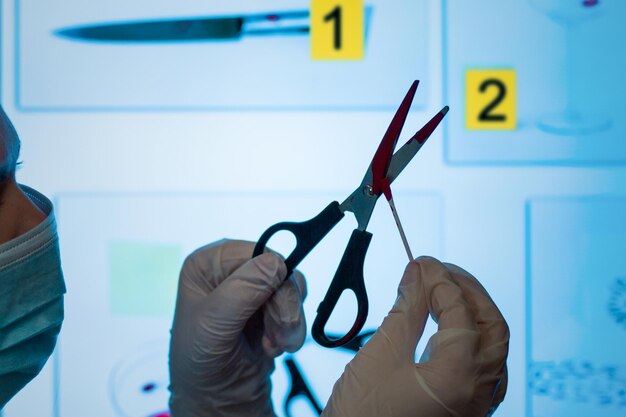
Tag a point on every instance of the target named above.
point(143, 278)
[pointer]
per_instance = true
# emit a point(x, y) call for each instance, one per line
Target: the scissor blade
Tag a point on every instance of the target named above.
point(404, 155)
point(158, 30)
point(382, 157)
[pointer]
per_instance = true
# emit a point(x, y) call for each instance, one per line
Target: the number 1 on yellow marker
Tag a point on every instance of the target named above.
point(337, 30)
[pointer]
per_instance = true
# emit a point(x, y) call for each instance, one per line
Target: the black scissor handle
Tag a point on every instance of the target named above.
point(349, 276)
point(358, 342)
point(308, 234)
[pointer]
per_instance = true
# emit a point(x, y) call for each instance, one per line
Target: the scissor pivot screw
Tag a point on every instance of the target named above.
point(368, 190)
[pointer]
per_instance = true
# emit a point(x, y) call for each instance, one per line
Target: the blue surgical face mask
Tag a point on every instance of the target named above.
point(31, 301)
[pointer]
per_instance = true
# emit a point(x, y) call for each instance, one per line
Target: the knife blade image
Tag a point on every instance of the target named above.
point(193, 29)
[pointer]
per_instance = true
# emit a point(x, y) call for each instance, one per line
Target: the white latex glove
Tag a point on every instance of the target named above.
point(215, 369)
point(463, 370)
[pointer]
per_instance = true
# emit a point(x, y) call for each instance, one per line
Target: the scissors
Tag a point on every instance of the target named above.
point(384, 169)
point(358, 342)
point(299, 388)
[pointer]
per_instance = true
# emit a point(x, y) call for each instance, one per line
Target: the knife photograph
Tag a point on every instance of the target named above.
point(222, 28)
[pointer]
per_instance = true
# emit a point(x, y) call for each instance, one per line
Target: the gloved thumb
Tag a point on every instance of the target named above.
point(404, 325)
point(238, 297)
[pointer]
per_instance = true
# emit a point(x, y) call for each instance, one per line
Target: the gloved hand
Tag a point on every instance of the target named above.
point(462, 372)
point(216, 368)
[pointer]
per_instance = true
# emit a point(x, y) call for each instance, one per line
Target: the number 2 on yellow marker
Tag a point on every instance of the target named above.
point(337, 30)
point(491, 97)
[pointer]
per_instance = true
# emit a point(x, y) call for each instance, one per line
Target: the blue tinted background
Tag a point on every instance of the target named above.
point(576, 345)
point(130, 136)
point(564, 58)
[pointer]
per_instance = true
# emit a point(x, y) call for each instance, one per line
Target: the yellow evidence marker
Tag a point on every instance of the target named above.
point(337, 29)
point(491, 99)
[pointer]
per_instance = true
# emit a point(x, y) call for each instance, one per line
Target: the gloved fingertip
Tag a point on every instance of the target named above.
point(295, 339)
point(427, 262)
point(284, 318)
point(270, 348)
point(300, 283)
point(411, 273)
point(286, 340)
point(426, 258)
point(457, 270)
point(416, 269)
point(444, 296)
point(272, 266)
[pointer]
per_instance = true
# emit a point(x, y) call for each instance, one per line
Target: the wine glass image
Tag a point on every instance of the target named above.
point(570, 15)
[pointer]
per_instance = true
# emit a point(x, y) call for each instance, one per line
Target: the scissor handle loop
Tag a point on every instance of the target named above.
point(349, 276)
point(308, 234)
